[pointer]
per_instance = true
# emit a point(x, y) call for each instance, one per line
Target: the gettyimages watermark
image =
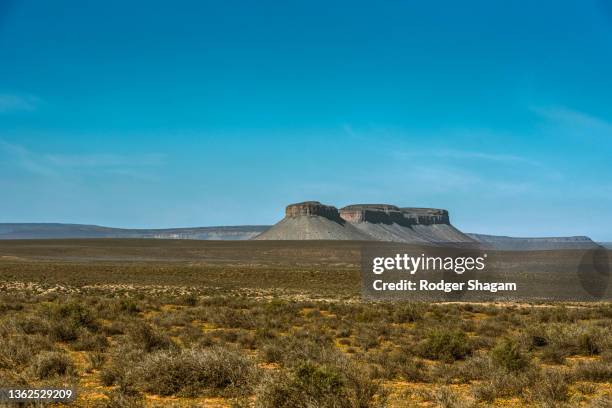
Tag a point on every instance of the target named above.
point(464, 273)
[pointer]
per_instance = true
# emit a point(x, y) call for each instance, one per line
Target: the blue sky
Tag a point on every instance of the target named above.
point(159, 114)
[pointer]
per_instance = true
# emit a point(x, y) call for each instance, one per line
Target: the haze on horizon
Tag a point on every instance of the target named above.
point(221, 113)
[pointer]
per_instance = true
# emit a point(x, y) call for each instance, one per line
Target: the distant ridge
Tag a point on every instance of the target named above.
point(533, 244)
point(55, 230)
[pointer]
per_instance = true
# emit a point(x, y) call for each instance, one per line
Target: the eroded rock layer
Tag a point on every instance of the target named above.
point(376, 213)
point(425, 216)
point(312, 208)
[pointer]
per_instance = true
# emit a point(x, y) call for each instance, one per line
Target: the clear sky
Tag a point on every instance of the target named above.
point(160, 114)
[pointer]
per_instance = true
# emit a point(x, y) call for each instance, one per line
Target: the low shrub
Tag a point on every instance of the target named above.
point(127, 306)
point(111, 375)
point(477, 367)
point(367, 339)
point(273, 352)
point(65, 331)
point(408, 312)
point(394, 363)
point(312, 385)
point(589, 343)
point(504, 384)
point(53, 363)
point(551, 388)
point(554, 355)
point(148, 338)
point(32, 325)
point(19, 349)
point(485, 391)
point(114, 328)
point(598, 371)
point(75, 314)
point(230, 318)
point(445, 397)
point(90, 342)
point(190, 299)
point(445, 345)
point(507, 355)
point(491, 327)
point(95, 360)
point(195, 372)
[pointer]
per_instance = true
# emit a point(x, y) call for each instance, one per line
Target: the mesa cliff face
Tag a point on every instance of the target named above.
point(425, 216)
point(312, 208)
point(375, 213)
point(389, 214)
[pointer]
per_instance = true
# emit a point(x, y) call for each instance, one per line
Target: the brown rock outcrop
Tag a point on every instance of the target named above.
point(312, 208)
point(389, 214)
point(425, 216)
point(374, 213)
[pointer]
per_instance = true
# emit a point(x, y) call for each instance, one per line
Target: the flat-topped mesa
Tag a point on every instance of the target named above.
point(312, 220)
point(425, 216)
point(374, 213)
point(312, 208)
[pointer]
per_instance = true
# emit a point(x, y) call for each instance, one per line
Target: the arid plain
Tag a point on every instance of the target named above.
point(132, 323)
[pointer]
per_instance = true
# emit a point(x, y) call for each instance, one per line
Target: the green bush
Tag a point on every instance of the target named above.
point(507, 355)
point(446, 346)
point(311, 385)
point(74, 313)
point(318, 382)
point(69, 320)
point(64, 331)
